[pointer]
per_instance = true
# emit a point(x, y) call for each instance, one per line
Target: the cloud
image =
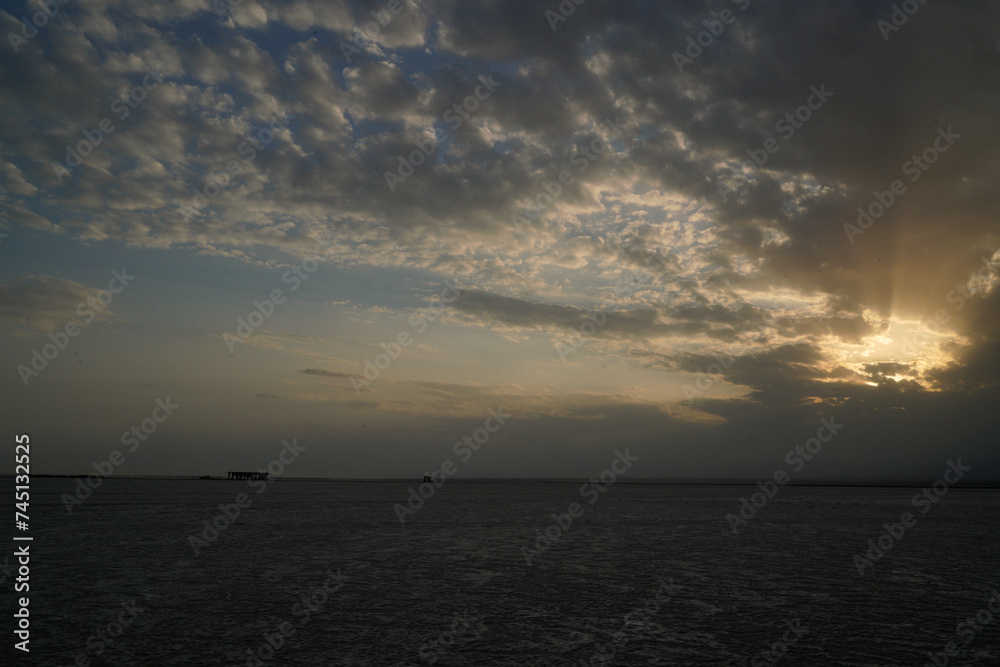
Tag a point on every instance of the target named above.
point(42, 303)
point(889, 368)
point(326, 373)
point(635, 322)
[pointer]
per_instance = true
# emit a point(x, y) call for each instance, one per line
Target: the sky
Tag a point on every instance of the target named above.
point(708, 233)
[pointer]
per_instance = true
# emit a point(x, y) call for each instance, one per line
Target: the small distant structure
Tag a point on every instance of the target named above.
point(248, 475)
point(427, 478)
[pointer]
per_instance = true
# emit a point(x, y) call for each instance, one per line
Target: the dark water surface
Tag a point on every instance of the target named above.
point(648, 575)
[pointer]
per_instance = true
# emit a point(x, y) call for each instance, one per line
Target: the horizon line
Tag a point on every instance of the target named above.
point(665, 481)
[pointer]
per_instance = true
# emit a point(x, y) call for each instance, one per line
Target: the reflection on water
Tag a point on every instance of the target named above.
point(323, 573)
